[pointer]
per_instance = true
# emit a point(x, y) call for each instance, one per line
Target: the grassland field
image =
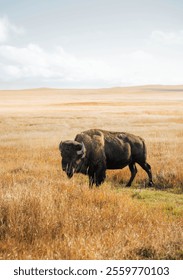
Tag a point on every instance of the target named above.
point(44, 215)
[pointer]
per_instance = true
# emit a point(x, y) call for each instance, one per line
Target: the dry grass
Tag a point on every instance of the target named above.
point(43, 215)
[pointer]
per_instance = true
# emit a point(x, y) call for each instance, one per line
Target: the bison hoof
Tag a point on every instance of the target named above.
point(150, 184)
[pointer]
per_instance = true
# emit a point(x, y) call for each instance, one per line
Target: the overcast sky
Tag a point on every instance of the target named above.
point(90, 43)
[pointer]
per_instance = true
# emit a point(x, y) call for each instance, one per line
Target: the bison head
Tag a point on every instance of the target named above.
point(72, 153)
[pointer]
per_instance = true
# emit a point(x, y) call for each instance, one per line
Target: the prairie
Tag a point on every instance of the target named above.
point(44, 215)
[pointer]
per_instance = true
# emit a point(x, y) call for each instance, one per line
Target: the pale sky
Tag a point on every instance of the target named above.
point(90, 43)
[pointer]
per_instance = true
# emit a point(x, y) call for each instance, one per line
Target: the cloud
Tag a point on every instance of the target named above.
point(7, 29)
point(158, 62)
point(33, 62)
point(167, 38)
point(57, 68)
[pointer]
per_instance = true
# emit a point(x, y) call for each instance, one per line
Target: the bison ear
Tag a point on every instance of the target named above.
point(60, 146)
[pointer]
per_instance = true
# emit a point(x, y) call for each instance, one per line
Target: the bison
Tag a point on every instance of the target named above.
point(95, 150)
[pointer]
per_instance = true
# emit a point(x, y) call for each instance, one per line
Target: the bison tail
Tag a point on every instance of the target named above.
point(144, 151)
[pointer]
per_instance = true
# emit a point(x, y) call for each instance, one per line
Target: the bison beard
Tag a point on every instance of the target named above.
point(95, 150)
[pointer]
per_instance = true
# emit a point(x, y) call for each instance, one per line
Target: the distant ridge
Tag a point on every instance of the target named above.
point(157, 87)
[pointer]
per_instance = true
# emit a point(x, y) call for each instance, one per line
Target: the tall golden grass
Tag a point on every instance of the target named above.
point(43, 215)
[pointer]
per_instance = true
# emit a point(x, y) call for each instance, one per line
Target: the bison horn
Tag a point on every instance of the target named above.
point(82, 151)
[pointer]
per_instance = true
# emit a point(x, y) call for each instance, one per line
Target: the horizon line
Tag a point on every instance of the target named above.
point(93, 88)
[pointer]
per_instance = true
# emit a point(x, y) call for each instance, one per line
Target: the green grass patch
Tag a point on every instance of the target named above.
point(171, 203)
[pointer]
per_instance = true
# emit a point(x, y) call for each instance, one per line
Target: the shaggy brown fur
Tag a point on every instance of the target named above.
point(95, 150)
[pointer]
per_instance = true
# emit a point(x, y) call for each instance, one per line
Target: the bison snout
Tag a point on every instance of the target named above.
point(69, 170)
point(69, 175)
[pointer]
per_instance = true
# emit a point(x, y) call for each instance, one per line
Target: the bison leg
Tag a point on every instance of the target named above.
point(96, 178)
point(147, 168)
point(91, 181)
point(133, 170)
point(92, 176)
point(100, 176)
